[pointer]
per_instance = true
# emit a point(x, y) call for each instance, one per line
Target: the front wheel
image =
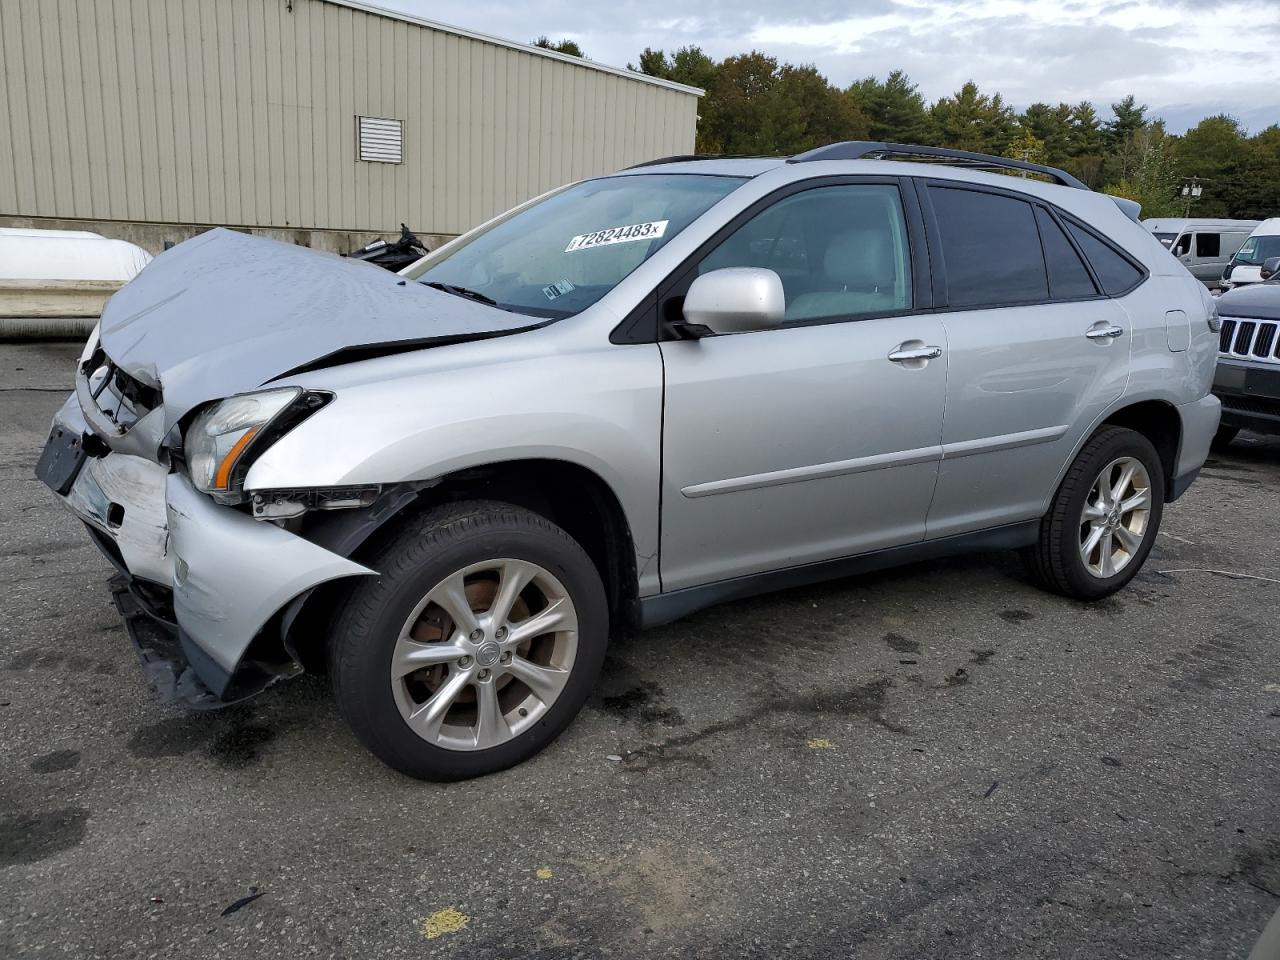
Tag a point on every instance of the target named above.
point(475, 646)
point(1104, 518)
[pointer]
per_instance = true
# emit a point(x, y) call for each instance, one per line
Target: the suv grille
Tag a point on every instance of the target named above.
point(1250, 339)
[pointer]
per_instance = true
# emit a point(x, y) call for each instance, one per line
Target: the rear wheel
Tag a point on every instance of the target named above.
point(1104, 518)
point(476, 645)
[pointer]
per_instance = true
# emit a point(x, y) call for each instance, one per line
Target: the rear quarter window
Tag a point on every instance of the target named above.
point(1115, 272)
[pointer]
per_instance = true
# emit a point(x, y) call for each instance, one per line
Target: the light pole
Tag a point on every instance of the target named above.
point(1191, 191)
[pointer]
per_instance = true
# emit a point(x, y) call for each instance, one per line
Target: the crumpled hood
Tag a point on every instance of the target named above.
point(224, 313)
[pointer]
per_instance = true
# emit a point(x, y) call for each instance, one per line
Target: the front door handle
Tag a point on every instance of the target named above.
point(904, 353)
point(1104, 331)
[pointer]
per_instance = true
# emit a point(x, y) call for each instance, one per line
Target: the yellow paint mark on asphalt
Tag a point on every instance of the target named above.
point(821, 744)
point(544, 873)
point(1272, 688)
point(445, 921)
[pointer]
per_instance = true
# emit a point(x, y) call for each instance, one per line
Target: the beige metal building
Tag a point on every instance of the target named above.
point(320, 121)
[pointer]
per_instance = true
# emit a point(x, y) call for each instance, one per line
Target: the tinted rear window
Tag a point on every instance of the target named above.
point(991, 248)
point(1068, 276)
point(1116, 274)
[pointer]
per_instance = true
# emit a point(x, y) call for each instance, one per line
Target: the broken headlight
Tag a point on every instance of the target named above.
point(226, 437)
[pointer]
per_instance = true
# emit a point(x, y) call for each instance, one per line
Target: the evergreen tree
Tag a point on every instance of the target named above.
point(971, 120)
point(1130, 117)
point(561, 46)
point(895, 110)
point(1052, 127)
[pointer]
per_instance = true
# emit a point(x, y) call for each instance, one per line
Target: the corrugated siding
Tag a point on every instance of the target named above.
point(241, 112)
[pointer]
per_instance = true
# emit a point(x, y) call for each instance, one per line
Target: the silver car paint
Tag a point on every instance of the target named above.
point(861, 474)
point(1023, 386)
point(232, 572)
point(745, 491)
point(224, 312)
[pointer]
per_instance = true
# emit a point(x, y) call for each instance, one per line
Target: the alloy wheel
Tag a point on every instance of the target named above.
point(484, 654)
point(1115, 518)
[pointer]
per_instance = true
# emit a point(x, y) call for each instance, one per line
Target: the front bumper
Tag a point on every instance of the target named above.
point(1250, 394)
point(225, 574)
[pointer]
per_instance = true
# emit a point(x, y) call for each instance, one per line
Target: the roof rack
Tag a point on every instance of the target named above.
point(867, 149)
point(682, 158)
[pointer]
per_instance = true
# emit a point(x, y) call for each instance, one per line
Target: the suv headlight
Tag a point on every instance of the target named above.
point(227, 436)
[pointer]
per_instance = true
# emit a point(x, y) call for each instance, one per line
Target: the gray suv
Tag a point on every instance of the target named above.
point(625, 400)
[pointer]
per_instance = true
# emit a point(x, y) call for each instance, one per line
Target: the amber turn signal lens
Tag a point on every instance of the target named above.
point(222, 479)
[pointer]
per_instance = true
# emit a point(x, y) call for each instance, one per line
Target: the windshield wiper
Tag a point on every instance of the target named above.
point(458, 291)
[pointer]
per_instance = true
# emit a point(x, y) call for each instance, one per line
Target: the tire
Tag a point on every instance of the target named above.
point(1222, 439)
point(374, 635)
point(1057, 560)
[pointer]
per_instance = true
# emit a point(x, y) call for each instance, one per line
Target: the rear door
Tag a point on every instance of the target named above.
point(808, 441)
point(1037, 352)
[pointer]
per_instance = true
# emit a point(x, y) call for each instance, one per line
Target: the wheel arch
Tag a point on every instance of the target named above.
point(572, 496)
point(1158, 421)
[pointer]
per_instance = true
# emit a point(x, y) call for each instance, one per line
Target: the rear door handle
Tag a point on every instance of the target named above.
point(1104, 331)
point(904, 353)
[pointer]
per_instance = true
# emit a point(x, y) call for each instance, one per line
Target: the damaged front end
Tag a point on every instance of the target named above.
point(183, 386)
point(201, 584)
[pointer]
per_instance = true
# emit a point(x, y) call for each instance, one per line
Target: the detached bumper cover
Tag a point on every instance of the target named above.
point(229, 574)
point(232, 573)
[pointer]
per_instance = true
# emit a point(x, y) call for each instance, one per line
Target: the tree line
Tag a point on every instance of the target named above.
point(756, 106)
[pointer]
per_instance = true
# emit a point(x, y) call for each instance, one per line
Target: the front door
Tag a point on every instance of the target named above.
point(805, 442)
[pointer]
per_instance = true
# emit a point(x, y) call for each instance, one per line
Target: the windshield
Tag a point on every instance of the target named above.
point(561, 255)
point(1258, 249)
point(1166, 238)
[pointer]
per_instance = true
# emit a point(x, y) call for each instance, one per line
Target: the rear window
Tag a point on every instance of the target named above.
point(1114, 271)
point(991, 248)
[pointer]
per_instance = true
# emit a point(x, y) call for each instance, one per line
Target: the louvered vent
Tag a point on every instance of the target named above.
point(380, 140)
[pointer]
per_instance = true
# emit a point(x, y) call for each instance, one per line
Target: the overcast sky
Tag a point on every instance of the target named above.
point(1184, 58)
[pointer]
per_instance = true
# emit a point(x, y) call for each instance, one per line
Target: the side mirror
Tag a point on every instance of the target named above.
point(735, 300)
point(1270, 267)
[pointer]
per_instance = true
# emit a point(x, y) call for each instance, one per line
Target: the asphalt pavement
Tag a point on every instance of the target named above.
point(933, 762)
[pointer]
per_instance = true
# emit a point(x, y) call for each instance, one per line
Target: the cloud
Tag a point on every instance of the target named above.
point(1202, 56)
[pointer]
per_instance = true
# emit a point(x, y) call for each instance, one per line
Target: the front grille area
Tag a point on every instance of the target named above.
point(1246, 339)
point(121, 398)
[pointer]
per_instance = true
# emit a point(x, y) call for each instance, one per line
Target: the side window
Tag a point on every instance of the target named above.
point(1208, 245)
point(1183, 246)
point(1068, 276)
point(991, 248)
point(841, 251)
point(1116, 274)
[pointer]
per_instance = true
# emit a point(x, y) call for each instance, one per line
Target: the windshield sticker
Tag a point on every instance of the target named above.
point(554, 290)
point(635, 231)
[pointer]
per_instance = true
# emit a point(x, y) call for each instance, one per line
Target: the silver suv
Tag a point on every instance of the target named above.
point(625, 400)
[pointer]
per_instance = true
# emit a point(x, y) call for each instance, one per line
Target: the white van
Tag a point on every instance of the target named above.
point(1246, 265)
point(1204, 247)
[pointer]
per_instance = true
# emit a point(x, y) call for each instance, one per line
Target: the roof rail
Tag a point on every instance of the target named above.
point(681, 158)
point(867, 149)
